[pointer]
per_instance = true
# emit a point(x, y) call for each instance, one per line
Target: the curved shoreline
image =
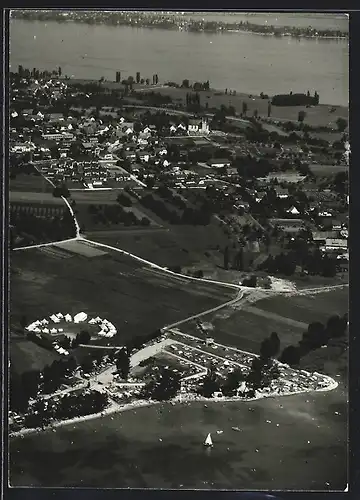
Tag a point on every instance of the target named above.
point(180, 399)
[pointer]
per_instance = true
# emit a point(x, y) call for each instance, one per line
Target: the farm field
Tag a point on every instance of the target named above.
point(288, 316)
point(327, 170)
point(34, 197)
point(295, 442)
point(308, 308)
point(317, 115)
point(135, 298)
point(30, 183)
point(246, 330)
point(90, 224)
point(96, 197)
point(180, 245)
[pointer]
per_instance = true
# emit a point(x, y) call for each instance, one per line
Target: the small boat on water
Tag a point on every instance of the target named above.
point(236, 429)
point(208, 441)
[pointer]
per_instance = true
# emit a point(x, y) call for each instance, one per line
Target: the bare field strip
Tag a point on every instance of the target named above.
point(37, 197)
point(274, 316)
point(81, 248)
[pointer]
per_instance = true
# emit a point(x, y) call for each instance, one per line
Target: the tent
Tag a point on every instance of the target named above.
point(80, 317)
point(293, 210)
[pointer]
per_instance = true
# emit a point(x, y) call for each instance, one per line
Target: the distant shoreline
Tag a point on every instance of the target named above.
point(172, 23)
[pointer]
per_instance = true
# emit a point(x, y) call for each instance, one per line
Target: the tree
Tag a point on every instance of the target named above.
point(274, 344)
point(164, 386)
point(315, 336)
point(266, 349)
point(291, 356)
point(269, 109)
point(87, 365)
point(341, 124)
point(336, 326)
point(232, 382)
point(83, 337)
point(185, 84)
point(138, 77)
point(244, 108)
point(122, 362)
point(210, 383)
point(254, 377)
point(301, 116)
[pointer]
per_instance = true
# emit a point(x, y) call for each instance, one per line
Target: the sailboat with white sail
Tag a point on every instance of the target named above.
point(208, 441)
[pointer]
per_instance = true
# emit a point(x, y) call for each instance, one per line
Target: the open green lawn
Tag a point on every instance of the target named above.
point(136, 299)
point(295, 442)
point(308, 308)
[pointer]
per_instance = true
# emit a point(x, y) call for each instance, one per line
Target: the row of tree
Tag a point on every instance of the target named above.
point(67, 407)
point(316, 336)
point(314, 262)
point(115, 214)
point(34, 229)
point(188, 216)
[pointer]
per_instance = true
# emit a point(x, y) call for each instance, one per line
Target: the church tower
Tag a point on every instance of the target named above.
point(204, 126)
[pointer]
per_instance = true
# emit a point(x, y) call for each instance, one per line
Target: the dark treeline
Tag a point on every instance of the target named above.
point(295, 99)
point(32, 229)
point(316, 336)
point(188, 216)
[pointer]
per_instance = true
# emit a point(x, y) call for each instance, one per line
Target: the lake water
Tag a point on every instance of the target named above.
point(241, 61)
